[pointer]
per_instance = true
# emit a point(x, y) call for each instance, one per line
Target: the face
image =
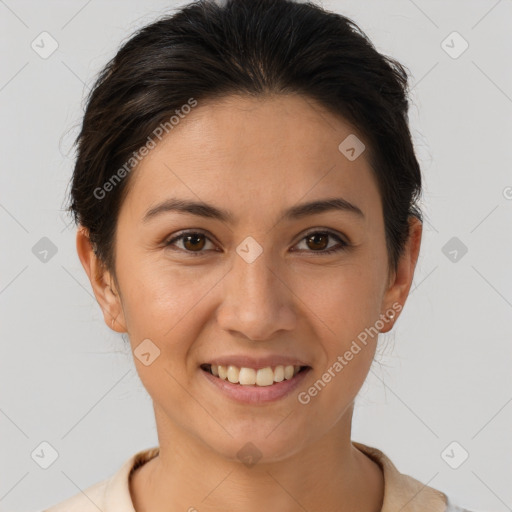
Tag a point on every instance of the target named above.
point(258, 287)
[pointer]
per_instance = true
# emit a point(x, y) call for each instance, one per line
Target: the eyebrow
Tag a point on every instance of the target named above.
point(206, 210)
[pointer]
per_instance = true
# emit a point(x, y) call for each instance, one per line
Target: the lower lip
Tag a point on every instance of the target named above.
point(256, 394)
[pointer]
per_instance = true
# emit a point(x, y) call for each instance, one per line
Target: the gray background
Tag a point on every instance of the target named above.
point(445, 371)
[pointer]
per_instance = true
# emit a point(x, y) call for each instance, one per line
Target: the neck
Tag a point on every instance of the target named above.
point(188, 475)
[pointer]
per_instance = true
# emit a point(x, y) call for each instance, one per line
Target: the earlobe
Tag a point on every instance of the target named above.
point(101, 281)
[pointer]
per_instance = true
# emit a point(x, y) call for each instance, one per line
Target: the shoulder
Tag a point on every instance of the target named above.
point(90, 499)
point(405, 493)
point(451, 506)
point(109, 495)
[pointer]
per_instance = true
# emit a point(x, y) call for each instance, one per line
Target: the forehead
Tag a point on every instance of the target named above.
point(253, 155)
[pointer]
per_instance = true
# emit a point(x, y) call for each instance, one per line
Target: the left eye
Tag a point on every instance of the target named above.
point(318, 239)
point(194, 241)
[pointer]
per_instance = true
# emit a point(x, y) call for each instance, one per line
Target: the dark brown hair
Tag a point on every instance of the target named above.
point(205, 51)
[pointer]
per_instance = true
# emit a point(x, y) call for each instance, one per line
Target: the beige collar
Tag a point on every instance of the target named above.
point(402, 493)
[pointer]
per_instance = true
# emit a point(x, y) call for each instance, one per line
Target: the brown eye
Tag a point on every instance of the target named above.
point(192, 242)
point(318, 241)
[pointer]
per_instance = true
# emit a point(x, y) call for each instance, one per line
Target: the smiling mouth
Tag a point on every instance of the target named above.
point(267, 376)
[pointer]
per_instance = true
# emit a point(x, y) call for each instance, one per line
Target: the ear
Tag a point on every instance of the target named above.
point(102, 283)
point(400, 284)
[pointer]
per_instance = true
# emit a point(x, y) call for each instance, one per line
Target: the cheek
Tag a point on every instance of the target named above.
point(160, 297)
point(344, 299)
point(343, 305)
point(167, 307)
point(345, 309)
point(162, 305)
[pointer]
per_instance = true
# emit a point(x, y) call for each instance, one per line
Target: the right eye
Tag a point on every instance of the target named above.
point(193, 242)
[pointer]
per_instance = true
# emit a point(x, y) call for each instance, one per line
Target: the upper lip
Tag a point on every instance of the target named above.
point(256, 362)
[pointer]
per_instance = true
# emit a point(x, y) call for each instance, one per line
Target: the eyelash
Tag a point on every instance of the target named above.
point(332, 250)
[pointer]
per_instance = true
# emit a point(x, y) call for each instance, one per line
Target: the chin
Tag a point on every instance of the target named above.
point(267, 445)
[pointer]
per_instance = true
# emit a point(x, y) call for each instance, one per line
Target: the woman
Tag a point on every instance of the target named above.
point(245, 192)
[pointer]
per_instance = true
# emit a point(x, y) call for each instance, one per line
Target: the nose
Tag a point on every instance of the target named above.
point(257, 302)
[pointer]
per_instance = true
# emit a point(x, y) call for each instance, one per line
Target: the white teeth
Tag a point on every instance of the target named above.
point(233, 373)
point(265, 377)
point(279, 373)
point(250, 377)
point(288, 372)
point(246, 377)
point(223, 372)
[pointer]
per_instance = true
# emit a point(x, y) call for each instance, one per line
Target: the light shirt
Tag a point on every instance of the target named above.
point(401, 492)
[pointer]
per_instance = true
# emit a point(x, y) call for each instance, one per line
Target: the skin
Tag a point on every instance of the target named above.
point(255, 158)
